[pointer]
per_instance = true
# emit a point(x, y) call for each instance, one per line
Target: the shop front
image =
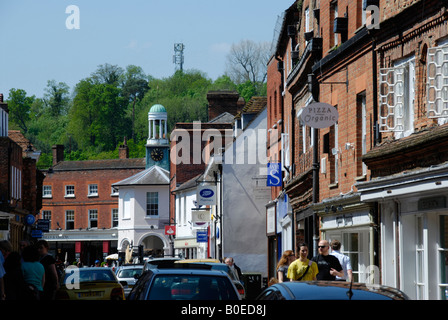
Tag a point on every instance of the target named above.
point(414, 230)
point(347, 219)
point(84, 246)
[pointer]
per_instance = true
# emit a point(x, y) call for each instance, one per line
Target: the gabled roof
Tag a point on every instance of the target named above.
point(154, 175)
point(254, 106)
point(224, 117)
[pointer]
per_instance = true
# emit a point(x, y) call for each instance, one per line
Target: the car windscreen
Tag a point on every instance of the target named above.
point(128, 273)
point(191, 287)
point(105, 275)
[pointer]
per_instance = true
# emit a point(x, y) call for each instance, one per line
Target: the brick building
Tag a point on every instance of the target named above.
point(380, 187)
point(82, 206)
point(409, 164)
point(20, 183)
point(190, 149)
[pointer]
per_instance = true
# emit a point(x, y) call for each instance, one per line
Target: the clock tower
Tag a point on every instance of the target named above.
point(157, 145)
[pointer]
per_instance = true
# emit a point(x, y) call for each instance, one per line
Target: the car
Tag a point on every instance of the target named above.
point(179, 282)
point(330, 290)
point(94, 283)
point(153, 263)
point(218, 265)
point(128, 275)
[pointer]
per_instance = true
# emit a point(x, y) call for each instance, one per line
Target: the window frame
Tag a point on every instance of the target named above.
point(152, 212)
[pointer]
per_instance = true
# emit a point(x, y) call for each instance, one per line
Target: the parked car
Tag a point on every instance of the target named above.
point(330, 290)
point(95, 283)
point(181, 283)
point(153, 263)
point(128, 275)
point(218, 265)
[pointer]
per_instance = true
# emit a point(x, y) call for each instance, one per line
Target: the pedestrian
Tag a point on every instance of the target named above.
point(97, 263)
point(283, 264)
point(33, 273)
point(13, 279)
point(328, 265)
point(303, 269)
point(343, 260)
point(231, 263)
point(51, 274)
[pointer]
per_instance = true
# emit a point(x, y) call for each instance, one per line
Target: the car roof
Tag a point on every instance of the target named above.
point(131, 266)
point(91, 269)
point(181, 271)
point(333, 290)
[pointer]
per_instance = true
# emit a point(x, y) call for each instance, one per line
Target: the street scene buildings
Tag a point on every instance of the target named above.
point(257, 179)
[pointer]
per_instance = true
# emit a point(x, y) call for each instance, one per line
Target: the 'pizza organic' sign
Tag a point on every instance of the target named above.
point(319, 115)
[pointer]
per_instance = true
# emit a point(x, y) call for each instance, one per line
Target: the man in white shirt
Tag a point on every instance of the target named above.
point(343, 260)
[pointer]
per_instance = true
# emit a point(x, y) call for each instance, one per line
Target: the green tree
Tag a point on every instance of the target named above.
point(19, 105)
point(57, 98)
point(134, 87)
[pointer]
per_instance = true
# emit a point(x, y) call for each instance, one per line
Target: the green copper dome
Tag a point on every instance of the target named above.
point(157, 108)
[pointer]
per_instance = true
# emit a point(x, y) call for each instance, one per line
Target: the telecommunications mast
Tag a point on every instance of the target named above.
point(178, 58)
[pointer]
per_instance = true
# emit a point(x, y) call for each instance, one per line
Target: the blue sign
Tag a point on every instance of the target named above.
point(36, 233)
point(274, 175)
point(206, 193)
point(30, 219)
point(201, 236)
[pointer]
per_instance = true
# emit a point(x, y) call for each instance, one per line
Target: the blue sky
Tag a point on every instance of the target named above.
point(36, 46)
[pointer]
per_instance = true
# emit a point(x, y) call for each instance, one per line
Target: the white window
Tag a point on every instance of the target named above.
point(114, 217)
point(70, 191)
point(93, 218)
point(46, 214)
point(152, 204)
point(93, 190)
point(114, 191)
point(397, 85)
point(69, 220)
point(438, 81)
point(46, 192)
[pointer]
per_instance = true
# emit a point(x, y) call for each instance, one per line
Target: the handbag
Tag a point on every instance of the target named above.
point(307, 268)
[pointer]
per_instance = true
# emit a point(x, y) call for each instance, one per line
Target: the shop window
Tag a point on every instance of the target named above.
point(443, 251)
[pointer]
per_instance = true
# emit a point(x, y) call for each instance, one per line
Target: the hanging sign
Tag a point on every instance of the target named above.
point(201, 236)
point(170, 230)
point(274, 175)
point(319, 115)
point(206, 195)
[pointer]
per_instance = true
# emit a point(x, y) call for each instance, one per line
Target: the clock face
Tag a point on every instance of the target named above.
point(157, 154)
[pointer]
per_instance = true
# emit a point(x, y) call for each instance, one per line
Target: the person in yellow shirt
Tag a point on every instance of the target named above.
point(303, 269)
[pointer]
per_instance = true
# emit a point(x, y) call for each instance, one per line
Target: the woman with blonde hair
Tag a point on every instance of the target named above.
point(282, 267)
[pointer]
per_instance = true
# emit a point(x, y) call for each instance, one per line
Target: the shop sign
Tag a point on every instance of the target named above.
point(274, 175)
point(206, 195)
point(201, 236)
point(170, 230)
point(319, 115)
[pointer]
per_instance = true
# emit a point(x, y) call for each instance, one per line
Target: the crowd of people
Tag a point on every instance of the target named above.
point(326, 265)
point(28, 274)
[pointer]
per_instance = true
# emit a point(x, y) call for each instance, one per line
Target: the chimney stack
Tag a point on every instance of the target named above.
point(223, 101)
point(123, 150)
point(58, 153)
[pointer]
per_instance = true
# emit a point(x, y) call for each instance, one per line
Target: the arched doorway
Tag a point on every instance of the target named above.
point(153, 246)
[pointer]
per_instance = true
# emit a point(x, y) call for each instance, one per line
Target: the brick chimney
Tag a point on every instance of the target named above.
point(123, 150)
point(58, 153)
point(223, 101)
